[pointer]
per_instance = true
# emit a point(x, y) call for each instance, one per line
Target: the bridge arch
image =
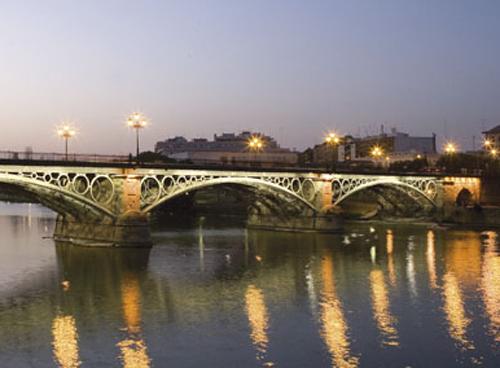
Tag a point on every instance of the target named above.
point(426, 189)
point(55, 197)
point(274, 190)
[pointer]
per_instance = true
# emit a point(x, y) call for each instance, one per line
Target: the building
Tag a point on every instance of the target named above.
point(492, 138)
point(395, 144)
point(228, 149)
point(226, 142)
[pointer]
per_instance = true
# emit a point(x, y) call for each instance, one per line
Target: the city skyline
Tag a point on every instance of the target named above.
point(290, 69)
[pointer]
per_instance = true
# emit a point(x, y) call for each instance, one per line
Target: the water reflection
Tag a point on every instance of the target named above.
point(390, 258)
point(258, 318)
point(133, 348)
point(455, 311)
point(381, 311)
point(65, 342)
point(431, 259)
point(125, 308)
point(490, 284)
point(115, 273)
point(334, 326)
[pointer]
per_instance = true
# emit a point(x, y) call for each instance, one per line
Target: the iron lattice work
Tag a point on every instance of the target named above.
point(346, 185)
point(95, 188)
point(156, 189)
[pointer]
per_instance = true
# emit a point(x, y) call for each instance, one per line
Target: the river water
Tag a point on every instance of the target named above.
point(222, 296)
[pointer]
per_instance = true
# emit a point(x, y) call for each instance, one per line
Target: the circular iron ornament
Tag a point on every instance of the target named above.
point(80, 184)
point(182, 181)
point(308, 190)
point(295, 186)
point(431, 189)
point(286, 183)
point(336, 190)
point(168, 183)
point(102, 189)
point(150, 189)
point(63, 181)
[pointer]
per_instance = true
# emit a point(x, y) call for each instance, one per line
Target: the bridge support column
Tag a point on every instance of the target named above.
point(129, 229)
point(125, 232)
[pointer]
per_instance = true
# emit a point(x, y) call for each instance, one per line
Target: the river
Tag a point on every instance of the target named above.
point(212, 295)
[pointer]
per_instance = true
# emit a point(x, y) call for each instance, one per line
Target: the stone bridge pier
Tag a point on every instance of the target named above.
point(110, 204)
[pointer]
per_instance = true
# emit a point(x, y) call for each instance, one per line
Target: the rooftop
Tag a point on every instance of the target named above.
point(495, 130)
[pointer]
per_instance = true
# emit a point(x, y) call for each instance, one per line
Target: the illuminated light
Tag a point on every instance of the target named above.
point(65, 343)
point(494, 152)
point(258, 318)
point(137, 121)
point(450, 148)
point(65, 284)
point(419, 157)
point(377, 152)
point(334, 326)
point(431, 259)
point(487, 143)
point(66, 132)
point(332, 138)
point(255, 144)
point(455, 311)
point(381, 311)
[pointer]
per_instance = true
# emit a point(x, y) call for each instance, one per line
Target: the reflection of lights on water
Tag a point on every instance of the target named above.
point(381, 312)
point(431, 259)
point(334, 326)
point(389, 240)
point(373, 254)
point(133, 349)
point(410, 268)
point(65, 343)
point(134, 353)
point(490, 284)
point(258, 318)
point(311, 290)
point(455, 311)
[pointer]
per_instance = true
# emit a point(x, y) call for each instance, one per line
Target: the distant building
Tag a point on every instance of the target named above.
point(227, 148)
point(492, 136)
point(226, 142)
point(395, 146)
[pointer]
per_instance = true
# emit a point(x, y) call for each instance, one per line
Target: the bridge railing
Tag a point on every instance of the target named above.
point(54, 156)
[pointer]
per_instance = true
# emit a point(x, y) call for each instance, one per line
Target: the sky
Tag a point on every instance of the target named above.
point(291, 69)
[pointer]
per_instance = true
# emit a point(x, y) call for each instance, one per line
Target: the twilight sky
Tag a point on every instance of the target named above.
point(292, 69)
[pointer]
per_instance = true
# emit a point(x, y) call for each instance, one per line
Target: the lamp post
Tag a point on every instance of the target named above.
point(450, 148)
point(66, 132)
point(332, 140)
point(255, 144)
point(137, 121)
point(377, 152)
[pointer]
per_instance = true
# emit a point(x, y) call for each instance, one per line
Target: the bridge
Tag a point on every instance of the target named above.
point(110, 203)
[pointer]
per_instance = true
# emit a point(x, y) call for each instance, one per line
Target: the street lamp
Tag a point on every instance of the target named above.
point(332, 139)
point(66, 132)
point(377, 152)
point(487, 143)
point(494, 152)
point(137, 121)
point(450, 148)
point(255, 144)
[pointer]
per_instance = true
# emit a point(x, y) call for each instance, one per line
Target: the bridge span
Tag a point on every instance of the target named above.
point(109, 204)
